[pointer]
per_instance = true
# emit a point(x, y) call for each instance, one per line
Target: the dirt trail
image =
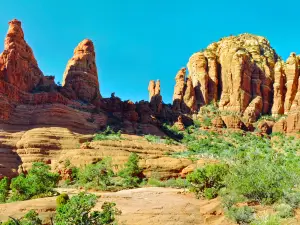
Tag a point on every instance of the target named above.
point(142, 206)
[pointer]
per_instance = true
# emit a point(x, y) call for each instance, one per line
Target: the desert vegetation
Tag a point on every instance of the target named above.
point(250, 169)
point(75, 210)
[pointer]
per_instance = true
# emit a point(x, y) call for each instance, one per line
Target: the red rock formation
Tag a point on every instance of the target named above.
point(197, 67)
point(18, 65)
point(179, 123)
point(217, 122)
point(179, 89)
point(292, 75)
point(155, 97)
point(80, 79)
point(233, 122)
point(265, 126)
point(213, 75)
point(189, 104)
point(279, 89)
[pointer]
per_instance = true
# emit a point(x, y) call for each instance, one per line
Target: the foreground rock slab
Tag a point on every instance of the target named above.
point(142, 206)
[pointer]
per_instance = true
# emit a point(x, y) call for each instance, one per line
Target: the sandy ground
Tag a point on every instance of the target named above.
point(142, 206)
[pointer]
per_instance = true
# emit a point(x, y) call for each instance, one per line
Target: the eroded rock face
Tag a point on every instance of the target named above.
point(292, 75)
point(197, 67)
point(179, 89)
point(154, 96)
point(18, 65)
point(80, 81)
point(189, 104)
point(279, 89)
point(237, 71)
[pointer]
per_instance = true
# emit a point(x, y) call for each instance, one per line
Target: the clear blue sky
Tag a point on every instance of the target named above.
point(139, 40)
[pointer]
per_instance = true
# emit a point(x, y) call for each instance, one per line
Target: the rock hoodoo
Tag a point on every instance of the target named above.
point(179, 89)
point(18, 65)
point(80, 77)
point(154, 96)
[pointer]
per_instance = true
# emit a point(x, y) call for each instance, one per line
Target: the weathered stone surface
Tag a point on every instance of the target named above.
point(292, 75)
point(265, 126)
point(218, 122)
point(189, 104)
point(197, 67)
point(179, 123)
point(233, 122)
point(279, 89)
point(240, 71)
point(280, 126)
point(179, 89)
point(213, 75)
point(18, 65)
point(80, 80)
point(155, 97)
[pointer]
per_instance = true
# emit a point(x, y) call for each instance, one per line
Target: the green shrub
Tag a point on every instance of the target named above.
point(284, 210)
point(131, 173)
point(207, 181)
point(4, 189)
point(292, 198)
point(153, 139)
point(210, 193)
point(267, 220)
point(174, 183)
point(37, 182)
point(78, 210)
point(241, 215)
point(62, 199)
point(107, 134)
point(96, 175)
point(30, 218)
point(230, 199)
point(75, 172)
point(262, 179)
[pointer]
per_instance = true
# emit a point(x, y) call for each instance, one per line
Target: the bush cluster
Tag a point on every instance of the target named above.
point(107, 134)
point(78, 210)
point(39, 182)
point(207, 181)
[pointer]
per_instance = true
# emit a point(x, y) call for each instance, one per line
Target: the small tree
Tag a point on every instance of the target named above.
point(31, 218)
point(208, 181)
point(62, 199)
point(4, 188)
point(39, 180)
point(96, 175)
point(78, 211)
point(131, 172)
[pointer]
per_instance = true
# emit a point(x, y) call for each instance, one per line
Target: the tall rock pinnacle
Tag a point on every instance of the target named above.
point(18, 65)
point(80, 77)
point(154, 96)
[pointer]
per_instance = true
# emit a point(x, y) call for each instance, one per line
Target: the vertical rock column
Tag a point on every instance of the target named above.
point(292, 75)
point(179, 89)
point(80, 81)
point(279, 89)
point(197, 67)
point(154, 96)
point(18, 65)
